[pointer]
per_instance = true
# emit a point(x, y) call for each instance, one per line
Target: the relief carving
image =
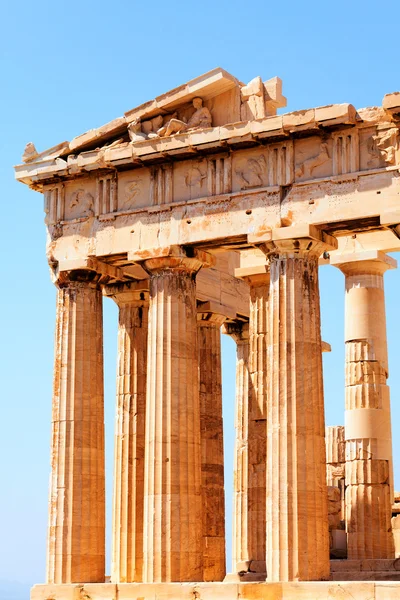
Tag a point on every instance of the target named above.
point(306, 168)
point(170, 124)
point(384, 144)
point(131, 191)
point(195, 177)
point(82, 203)
point(200, 119)
point(253, 174)
point(135, 131)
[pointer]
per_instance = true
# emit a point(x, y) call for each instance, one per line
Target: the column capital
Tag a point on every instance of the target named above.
point(238, 330)
point(77, 278)
point(294, 241)
point(210, 314)
point(177, 258)
point(135, 292)
point(255, 276)
point(89, 270)
point(363, 262)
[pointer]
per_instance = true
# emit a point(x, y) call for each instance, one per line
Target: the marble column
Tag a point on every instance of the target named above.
point(240, 533)
point(212, 444)
point(76, 535)
point(369, 475)
point(336, 461)
point(257, 425)
point(127, 520)
point(297, 519)
point(173, 534)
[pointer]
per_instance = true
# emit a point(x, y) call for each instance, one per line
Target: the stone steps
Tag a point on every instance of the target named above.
point(365, 576)
point(365, 570)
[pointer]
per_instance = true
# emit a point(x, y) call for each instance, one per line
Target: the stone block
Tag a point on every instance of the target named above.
point(152, 591)
point(215, 591)
point(66, 591)
point(367, 472)
point(378, 564)
point(260, 591)
point(321, 590)
point(391, 102)
point(387, 591)
point(300, 118)
point(335, 114)
point(345, 565)
point(100, 591)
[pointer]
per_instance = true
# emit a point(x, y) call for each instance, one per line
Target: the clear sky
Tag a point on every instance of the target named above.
point(67, 67)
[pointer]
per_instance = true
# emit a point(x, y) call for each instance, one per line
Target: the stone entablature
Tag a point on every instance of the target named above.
point(322, 165)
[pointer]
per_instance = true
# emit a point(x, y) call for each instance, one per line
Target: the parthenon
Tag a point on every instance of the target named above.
point(203, 212)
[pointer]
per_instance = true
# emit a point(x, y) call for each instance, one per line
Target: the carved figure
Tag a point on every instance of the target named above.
point(307, 167)
point(252, 175)
point(131, 191)
point(156, 123)
point(135, 131)
point(387, 143)
point(85, 202)
point(195, 177)
point(200, 119)
point(30, 152)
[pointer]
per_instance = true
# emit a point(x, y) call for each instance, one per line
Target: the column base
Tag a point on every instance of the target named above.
point(248, 571)
point(365, 590)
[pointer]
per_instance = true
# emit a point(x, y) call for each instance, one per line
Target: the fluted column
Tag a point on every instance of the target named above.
point(297, 520)
point(257, 425)
point(240, 537)
point(369, 475)
point(76, 536)
point(212, 444)
point(335, 461)
point(127, 521)
point(173, 534)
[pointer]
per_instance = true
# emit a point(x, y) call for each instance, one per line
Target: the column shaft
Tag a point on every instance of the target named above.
point(257, 426)
point(212, 446)
point(127, 535)
point(240, 541)
point(76, 538)
point(297, 520)
point(369, 483)
point(173, 535)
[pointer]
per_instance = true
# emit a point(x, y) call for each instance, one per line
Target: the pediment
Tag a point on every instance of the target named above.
point(226, 98)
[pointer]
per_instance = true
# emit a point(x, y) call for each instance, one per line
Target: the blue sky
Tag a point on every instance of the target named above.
point(67, 67)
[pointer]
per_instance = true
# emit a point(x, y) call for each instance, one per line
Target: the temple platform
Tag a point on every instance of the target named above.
point(318, 590)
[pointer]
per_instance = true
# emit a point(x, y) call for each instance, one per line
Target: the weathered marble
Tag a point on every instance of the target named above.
point(297, 520)
point(369, 479)
point(128, 498)
point(173, 534)
point(212, 444)
point(76, 535)
point(209, 173)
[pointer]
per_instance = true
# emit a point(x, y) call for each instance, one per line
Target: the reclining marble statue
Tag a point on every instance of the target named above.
point(203, 212)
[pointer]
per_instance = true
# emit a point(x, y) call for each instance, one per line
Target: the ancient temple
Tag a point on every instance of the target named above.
point(200, 212)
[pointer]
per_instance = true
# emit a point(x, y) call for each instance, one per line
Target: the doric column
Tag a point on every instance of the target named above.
point(297, 520)
point(369, 481)
point(173, 534)
point(335, 460)
point(127, 521)
point(212, 443)
point(76, 538)
point(257, 425)
point(240, 540)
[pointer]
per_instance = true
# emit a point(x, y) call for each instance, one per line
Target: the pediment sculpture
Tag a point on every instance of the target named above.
point(170, 124)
